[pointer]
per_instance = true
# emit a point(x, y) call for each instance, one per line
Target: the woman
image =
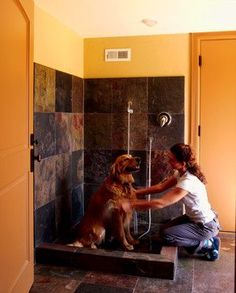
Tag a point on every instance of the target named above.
point(197, 228)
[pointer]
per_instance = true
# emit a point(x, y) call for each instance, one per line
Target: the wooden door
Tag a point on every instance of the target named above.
point(16, 204)
point(217, 120)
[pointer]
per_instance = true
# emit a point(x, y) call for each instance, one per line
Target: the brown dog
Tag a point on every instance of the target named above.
point(104, 215)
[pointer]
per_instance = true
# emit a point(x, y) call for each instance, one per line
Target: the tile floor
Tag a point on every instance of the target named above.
point(193, 275)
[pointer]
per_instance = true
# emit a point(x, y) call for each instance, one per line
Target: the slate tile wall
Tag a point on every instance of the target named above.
point(106, 127)
point(59, 130)
point(81, 126)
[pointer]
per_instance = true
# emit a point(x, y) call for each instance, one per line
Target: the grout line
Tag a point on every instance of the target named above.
point(136, 284)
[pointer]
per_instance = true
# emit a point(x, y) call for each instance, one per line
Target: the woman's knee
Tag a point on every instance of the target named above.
point(168, 237)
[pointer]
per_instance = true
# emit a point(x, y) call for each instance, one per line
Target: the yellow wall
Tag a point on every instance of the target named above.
point(161, 55)
point(56, 46)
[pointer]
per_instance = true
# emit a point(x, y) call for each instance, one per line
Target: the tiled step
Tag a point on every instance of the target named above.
point(162, 265)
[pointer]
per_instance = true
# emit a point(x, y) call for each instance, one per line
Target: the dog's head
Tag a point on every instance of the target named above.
point(123, 167)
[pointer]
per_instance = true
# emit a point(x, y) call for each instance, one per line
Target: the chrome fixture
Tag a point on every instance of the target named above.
point(130, 111)
point(164, 119)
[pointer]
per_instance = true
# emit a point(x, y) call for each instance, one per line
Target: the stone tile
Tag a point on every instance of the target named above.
point(119, 131)
point(59, 271)
point(63, 174)
point(220, 272)
point(63, 92)
point(44, 89)
point(160, 167)
point(89, 190)
point(138, 131)
point(121, 281)
point(97, 133)
point(129, 89)
point(182, 283)
point(161, 265)
point(77, 131)
point(96, 166)
point(91, 288)
point(165, 137)
point(45, 224)
point(166, 94)
point(97, 95)
point(45, 181)
point(227, 241)
point(116, 154)
point(77, 94)
point(63, 133)
point(193, 275)
point(45, 134)
point(77, 203)
point(168, 213)
point(63, 211)
point(53, 284)
point(77, 167)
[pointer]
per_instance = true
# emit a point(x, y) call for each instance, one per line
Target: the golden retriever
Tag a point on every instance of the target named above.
point(104, 215)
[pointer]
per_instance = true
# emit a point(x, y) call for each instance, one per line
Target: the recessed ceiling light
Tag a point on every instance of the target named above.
point(149, 21)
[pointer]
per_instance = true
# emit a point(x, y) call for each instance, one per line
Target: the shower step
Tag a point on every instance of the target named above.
point(162, 265)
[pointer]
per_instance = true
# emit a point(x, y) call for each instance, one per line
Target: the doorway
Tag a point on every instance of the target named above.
point(213, 129)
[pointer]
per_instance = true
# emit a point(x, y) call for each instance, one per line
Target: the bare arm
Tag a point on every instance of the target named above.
point(170, 182)
point(169, 198)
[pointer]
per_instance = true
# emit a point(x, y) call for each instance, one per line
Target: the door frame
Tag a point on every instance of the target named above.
point(195, 85)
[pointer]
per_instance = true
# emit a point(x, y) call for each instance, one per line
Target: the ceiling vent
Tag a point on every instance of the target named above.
point(112, 55)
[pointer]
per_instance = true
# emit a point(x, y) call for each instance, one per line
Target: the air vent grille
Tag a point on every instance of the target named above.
point(112, 55)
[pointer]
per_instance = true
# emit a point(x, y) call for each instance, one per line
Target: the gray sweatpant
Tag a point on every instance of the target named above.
point(181, 231)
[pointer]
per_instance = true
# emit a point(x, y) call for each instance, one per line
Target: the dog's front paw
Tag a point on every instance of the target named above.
point(93, 246)
point(76, 244)
point(129, 247)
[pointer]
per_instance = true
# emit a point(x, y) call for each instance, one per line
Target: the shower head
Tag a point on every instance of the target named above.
point(129, 110)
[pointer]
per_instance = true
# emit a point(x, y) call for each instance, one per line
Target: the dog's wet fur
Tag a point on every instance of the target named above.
point(104, 219)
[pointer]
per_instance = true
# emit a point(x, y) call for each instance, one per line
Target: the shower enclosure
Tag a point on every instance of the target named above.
point(81, 126)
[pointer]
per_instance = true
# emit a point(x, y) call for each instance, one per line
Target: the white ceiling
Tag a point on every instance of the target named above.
point(107, 18)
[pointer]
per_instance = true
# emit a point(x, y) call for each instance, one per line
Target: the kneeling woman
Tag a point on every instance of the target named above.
point(196, 230)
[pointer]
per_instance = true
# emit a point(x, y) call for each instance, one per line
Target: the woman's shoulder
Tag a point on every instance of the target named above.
point(187, 177)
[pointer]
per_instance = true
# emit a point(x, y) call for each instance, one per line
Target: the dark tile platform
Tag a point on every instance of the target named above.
point(158, 265)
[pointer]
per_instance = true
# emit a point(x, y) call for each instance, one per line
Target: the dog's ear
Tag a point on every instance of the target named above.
point(113, 170)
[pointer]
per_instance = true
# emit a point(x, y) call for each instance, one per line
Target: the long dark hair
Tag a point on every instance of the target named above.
point(183, 153)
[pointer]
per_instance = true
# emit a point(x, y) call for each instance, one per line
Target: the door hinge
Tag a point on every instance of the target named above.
point(200, 60)
point(199, 130)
